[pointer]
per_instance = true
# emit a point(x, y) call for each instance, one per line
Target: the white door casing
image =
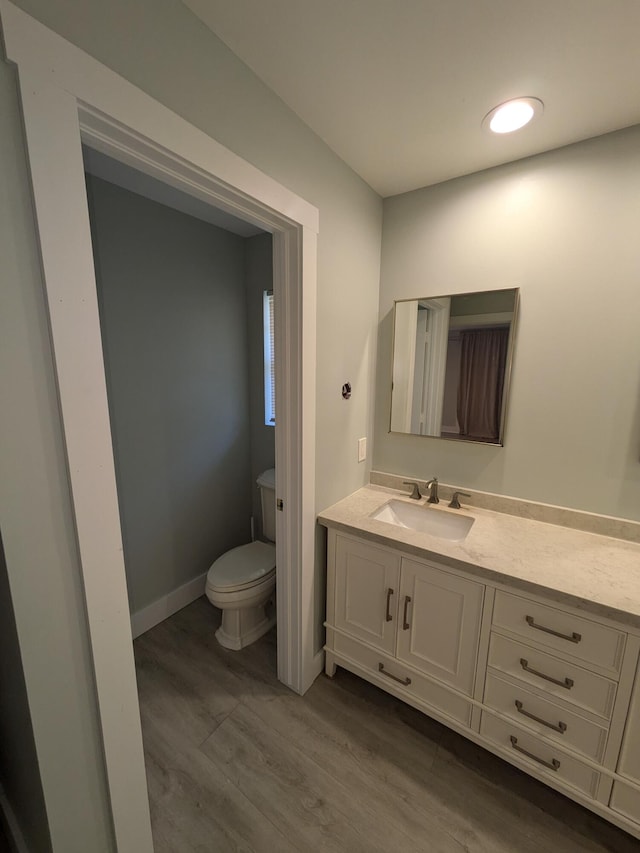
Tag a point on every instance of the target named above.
point(435, 365)
point(68, 97)
point(421, 364)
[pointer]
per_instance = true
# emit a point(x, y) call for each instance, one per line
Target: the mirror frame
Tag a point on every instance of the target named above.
point(506, 390)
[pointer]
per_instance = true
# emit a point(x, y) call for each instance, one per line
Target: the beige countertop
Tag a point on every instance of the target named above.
point(585, 570)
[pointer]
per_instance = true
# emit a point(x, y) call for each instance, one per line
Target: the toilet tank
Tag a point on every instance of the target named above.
point(267, 485)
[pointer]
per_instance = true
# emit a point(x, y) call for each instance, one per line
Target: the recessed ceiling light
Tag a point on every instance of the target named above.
point(512, 115)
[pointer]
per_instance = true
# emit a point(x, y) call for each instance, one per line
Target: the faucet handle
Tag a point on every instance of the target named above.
point(455, 503)
point(415, 494)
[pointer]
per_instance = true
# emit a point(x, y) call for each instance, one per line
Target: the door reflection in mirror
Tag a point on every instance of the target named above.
point(451, 365)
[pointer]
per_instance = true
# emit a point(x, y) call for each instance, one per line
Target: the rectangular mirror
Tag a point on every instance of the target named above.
point(451, 365)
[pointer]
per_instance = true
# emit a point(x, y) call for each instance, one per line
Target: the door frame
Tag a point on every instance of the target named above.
point(68, 98)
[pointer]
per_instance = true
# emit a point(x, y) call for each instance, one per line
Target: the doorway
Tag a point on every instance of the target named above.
point(68, 98)
point(180, 296)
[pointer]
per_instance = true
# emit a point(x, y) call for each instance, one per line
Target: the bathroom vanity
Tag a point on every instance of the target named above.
point(522, 636)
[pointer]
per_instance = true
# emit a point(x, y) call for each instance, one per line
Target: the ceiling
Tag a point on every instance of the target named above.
point(399, 88)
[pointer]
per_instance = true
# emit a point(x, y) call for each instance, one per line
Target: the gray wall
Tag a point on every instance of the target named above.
point(563, 227)
point(19, 772)
point(258, 278)
point(162, 48)
point(173, 317)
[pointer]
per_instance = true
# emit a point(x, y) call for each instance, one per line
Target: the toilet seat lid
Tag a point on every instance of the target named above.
point(242, 565)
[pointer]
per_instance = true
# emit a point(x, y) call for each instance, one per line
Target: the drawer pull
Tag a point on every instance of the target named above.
point(407, 602)
point(388, 617)
point(554, 764)
point(405, 681)
point(557, 727)
point(574, 637)
point(567, 682)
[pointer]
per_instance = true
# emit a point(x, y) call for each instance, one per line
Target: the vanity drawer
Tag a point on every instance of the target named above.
point(560, 630)
point(541, 756)
point(545, 717)
point(555, 676)
point(394, 676)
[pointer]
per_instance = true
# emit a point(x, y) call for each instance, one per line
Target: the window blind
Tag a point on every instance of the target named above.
point(269, 360)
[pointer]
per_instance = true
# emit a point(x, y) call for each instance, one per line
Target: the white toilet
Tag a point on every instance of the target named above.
point(241, 582)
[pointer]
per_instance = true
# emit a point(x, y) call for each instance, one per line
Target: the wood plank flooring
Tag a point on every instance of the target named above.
point(236, 762)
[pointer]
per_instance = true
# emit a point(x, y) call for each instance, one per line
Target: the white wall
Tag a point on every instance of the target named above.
point(562, 226)
point(161, 47)
point(37, 525)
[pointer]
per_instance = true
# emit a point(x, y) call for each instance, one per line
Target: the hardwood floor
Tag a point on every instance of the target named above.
point(236, 762)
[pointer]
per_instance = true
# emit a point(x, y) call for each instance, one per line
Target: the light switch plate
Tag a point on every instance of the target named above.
point(362, 449)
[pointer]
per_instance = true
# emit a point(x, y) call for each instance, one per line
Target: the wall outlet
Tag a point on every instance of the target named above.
point(362, 449)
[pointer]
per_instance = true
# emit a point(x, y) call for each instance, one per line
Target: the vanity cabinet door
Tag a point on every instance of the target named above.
point(624, 798)
point(366, 592)
point(626, 801)
point(439, 620)
point(629, 764)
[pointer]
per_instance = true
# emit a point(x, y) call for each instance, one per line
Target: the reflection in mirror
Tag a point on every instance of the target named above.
point(451, 365)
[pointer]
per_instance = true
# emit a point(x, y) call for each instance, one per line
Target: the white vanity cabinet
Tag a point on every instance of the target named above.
point(625, 797)
point(550, 689)
point(406, 624)
point(547, 686)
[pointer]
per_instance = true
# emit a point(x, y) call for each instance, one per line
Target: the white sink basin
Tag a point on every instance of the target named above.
point(425, 518)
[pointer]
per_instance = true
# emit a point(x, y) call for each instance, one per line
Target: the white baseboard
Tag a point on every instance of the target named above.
point(11, 826)
point(145, 619)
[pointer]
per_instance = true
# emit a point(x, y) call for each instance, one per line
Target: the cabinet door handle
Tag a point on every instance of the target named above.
point(388, 617)
point(407, 602)
point(554, 764)
point(567, 682)
point(574, 637)
point(557, 727)
point(406, 681)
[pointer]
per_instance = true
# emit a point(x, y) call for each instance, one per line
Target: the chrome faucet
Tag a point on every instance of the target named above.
point(432, 485)
point(415, 494)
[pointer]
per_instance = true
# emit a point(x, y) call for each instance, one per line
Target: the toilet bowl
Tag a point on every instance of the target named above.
point(242, 581)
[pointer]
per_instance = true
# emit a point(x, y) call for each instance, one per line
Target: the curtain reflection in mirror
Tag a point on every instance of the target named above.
point(482, 365)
